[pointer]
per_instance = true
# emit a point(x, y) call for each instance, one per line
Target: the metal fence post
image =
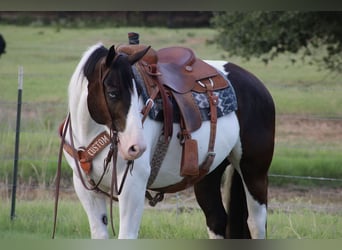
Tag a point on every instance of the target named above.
point(17, 135)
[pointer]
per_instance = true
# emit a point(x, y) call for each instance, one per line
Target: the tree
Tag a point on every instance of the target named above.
point(316, 35)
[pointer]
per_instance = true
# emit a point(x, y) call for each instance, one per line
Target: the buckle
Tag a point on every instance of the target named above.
point(149, 100)
point(211, 153)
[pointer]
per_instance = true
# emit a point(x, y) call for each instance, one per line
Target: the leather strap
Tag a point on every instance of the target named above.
point(85, 155)
point(149, 104)
point(188, 181)
point(213, 102)
point(149, 73)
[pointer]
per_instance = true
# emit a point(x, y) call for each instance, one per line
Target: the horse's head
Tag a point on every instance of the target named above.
point(113, 100)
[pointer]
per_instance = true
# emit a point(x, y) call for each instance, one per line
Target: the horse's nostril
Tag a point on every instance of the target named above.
point(134, 148)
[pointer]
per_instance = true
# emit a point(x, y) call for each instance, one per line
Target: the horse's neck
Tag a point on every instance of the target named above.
point(85, 129)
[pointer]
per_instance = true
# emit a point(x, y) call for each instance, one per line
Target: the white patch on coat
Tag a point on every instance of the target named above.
point(257, 215)
point(131, 141)
point(214, 236)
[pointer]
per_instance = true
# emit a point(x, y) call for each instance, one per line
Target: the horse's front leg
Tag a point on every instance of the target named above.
point(95, 206)
point(131, 202)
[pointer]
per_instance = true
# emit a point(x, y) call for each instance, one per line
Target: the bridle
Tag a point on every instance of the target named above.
point(115, 189)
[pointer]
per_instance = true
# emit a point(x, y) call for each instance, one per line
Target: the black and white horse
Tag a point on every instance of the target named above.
point(104, 96)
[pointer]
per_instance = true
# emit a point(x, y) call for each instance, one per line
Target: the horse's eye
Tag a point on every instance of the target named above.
point(112, 94)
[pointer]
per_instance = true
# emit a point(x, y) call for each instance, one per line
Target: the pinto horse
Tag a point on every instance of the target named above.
point(106, 133)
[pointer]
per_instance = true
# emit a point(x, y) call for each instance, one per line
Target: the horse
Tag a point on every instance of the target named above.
point(107, 138)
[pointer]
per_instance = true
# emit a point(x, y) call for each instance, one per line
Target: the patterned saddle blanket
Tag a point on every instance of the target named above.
point(227, 102)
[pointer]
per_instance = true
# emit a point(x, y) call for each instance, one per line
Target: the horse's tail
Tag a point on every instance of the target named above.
point(234, 199)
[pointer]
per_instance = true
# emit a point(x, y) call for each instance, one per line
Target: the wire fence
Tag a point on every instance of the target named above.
point(327, 179)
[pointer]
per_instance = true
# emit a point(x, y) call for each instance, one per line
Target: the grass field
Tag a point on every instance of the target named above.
point(34, 220)
point(49, 56)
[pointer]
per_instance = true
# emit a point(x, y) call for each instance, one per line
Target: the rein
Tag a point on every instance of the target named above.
point(115, 189)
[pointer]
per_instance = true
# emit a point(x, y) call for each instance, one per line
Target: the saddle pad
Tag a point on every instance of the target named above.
point(227, 102)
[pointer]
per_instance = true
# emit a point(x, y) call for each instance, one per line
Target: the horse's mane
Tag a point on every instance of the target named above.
point(90, 64)
point(86, 65)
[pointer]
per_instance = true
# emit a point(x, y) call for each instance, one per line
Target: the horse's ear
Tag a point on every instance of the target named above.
point(138, 55)
point(110, 56)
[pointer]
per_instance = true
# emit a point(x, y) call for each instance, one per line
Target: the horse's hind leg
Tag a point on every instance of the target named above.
point(253, 172)
point(208, 195)
point(234, 199)
point(256, 197)
point(94, 205)
point(256, 205)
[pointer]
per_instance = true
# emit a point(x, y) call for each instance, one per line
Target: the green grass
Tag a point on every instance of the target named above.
point(34, 220)
point(319, 100)
point(304, 224)
point(307, 161)
point(49, 55)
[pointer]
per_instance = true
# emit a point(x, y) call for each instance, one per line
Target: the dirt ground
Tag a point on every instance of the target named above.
point(311, 129)
point(327, 200)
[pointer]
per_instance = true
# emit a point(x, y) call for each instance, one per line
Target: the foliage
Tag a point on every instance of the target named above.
point(268, 34)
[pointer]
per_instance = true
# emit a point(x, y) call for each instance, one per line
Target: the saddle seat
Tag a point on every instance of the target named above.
point(181, 70)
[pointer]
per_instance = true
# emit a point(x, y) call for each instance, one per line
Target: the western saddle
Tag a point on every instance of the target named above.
point(172, 74)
